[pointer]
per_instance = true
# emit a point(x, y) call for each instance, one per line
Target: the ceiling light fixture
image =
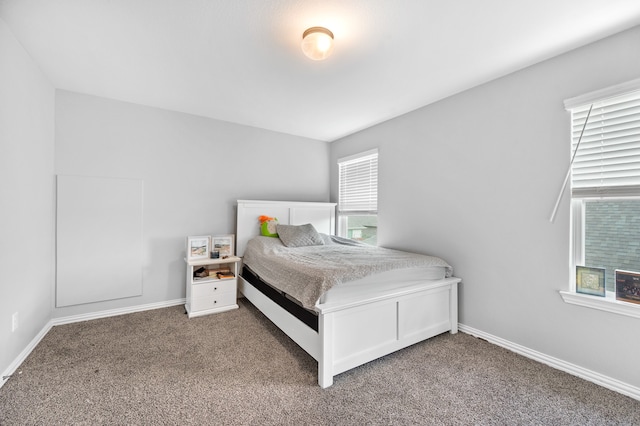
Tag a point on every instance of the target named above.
point(317, 43)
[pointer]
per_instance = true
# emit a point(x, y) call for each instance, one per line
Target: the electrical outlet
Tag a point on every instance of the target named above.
point(14, 322)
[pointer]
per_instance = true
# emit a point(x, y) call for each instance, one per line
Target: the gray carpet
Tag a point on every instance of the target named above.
point(159, 367)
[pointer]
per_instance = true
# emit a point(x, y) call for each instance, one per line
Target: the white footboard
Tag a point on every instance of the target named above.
point(357, 332)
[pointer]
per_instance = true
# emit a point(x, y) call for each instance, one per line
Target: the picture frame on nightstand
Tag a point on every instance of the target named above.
point(223, 244)
point(198, 247)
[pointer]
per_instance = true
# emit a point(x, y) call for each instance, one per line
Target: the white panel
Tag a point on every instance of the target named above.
point(320, 217)
point(99, 239)
point(364, 329)
point(421, 312)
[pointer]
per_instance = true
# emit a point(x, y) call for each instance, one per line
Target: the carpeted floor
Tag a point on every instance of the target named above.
point(159, 367)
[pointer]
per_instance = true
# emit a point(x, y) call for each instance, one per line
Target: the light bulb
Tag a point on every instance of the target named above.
point(317, 43)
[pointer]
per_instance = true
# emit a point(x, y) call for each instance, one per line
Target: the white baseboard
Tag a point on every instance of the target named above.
point(567, 367)
point(11, 369)
point(77, 318)
point(115, 312)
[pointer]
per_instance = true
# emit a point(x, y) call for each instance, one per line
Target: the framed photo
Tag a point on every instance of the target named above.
point(223, 244)
point(198, 247)
point(628, 286)
point(590, 281)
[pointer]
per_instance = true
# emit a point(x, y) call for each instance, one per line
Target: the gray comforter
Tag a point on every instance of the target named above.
point(305, 273)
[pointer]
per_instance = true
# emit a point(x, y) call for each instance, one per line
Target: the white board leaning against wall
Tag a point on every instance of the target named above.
point(98, 239)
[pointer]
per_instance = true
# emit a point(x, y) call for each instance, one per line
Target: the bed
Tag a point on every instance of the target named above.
point(354, 322)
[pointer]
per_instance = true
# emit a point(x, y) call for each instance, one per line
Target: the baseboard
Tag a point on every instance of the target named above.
point(77, 318)
point(11, 369)
point(575, 370)
point(115, 312)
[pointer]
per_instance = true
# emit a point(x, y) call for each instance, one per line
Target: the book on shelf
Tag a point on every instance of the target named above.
point(201, 273)
point(215, 272)
point(207, 278)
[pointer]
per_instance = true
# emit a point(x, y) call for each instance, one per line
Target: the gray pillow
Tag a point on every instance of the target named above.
point(299, 236)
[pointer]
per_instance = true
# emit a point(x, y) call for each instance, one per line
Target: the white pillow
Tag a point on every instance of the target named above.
point(299, 235)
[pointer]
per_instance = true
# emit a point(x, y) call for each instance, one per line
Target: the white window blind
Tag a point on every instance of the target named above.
point(358, 181)
point(607, 163)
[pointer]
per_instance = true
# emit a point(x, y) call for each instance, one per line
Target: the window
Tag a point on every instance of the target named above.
point(358, 197)
point(605, 180)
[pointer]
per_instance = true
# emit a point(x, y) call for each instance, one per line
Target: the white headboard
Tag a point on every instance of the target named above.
point(321, 215)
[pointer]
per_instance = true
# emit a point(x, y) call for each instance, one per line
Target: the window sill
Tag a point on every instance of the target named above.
point(608, 303)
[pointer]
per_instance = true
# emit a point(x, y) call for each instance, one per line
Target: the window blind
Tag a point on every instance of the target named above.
point(358, 182)
point(607, 163)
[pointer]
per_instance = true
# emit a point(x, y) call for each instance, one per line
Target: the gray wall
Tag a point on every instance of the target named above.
point(194, 169)
point(27, 198)
point(473, 179)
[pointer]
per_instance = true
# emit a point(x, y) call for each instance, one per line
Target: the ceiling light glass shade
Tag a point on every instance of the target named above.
point(317, 43)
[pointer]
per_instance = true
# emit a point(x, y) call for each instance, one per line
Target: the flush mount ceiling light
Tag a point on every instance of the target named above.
point(317, 43)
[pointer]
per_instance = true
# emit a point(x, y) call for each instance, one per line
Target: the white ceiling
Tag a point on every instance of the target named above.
point(240, 60)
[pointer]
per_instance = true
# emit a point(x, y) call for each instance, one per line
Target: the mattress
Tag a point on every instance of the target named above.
point(382, 282)
point(338, 269)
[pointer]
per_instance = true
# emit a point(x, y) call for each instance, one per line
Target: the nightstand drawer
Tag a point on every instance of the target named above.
point(211, 288)
point(216, 299)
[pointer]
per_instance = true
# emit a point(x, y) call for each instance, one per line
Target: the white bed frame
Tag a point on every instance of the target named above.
point(356, 332)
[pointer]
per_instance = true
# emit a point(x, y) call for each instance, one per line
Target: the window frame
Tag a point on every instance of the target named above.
point(577, 218)
point(609, 303)
point(343, 214)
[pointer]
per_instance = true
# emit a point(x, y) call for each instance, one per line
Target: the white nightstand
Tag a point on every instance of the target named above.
point(209, 292)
